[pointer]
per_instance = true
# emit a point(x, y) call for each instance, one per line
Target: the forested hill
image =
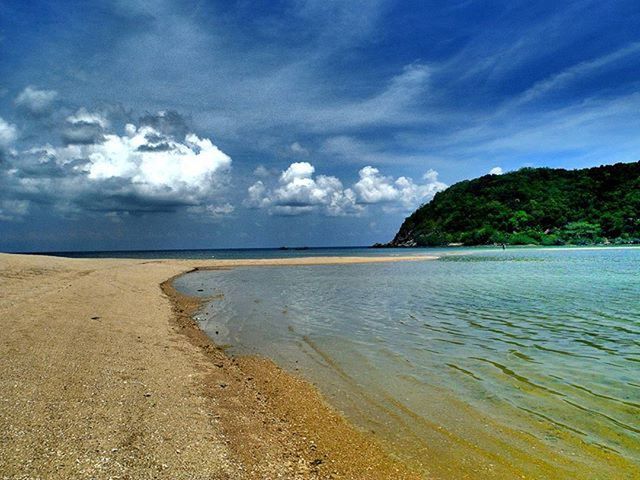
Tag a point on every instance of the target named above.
point(532, 206)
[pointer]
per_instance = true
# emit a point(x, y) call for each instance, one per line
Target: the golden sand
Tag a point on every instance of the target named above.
point(105, 375)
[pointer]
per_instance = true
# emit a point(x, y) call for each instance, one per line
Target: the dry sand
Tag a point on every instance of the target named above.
point(103, 374)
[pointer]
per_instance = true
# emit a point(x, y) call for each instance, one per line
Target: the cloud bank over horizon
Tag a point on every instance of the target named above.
point(97, 170)
point(147, 169)
point(299, 191)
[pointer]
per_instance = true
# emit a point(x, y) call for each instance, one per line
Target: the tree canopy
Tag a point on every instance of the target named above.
point(540, 206)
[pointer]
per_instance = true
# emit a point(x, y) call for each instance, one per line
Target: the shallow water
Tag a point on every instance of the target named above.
point(497, 364)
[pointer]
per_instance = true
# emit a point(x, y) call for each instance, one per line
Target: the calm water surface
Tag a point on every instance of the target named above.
point(514, 364)
point(252, 253)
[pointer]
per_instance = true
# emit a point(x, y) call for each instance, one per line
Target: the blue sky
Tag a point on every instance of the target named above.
point(164, 124)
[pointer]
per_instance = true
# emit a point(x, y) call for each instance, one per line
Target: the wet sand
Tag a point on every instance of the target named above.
point(105, 375)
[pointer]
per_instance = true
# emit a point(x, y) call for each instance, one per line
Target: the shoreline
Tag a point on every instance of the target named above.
point(107, 375)
point(430, 450)
point(319, 434)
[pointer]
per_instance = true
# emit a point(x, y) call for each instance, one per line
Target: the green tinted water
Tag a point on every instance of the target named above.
point(516, 364)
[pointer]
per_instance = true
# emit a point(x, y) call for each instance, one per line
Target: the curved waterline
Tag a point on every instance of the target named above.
point(520, 363)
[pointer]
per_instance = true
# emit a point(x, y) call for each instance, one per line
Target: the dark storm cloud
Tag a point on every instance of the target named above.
point(168, 122)
point(84, 128)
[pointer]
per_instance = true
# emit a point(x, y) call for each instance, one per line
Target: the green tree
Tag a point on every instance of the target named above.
point(533, 205)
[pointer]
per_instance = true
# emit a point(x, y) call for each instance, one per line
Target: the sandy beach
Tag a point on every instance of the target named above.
point(105, 375)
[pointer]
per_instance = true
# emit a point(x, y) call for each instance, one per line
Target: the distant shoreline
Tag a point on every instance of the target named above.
point(595, 246)
point(297, 253)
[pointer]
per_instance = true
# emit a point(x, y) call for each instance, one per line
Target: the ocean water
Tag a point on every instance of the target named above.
point(522, 363)
point(251, 253)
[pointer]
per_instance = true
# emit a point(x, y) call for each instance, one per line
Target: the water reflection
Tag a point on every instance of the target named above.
point(488, 365)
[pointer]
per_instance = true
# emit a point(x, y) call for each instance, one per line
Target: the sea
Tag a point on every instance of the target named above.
point(484, 363)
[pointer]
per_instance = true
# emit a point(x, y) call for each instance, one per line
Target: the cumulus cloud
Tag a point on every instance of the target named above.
point(35, 101)
point(141, 170)
point(373, 187)
point(496, 171)
point(300, 191)
point(154, 164)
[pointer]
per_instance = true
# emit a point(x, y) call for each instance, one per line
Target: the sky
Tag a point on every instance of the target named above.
point(161, 124)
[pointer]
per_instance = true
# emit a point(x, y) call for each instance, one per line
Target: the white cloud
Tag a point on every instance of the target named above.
point(299, 191)
point(142, 170)
point(393, 105)
point(298, 171)
point(496, 171)
point(151, 161)
point(575, 73)
point(404, 87)
point(36, 101)
point(373, 187)
point(8, 133)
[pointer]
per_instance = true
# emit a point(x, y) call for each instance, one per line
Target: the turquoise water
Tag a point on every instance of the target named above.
point(496, 364)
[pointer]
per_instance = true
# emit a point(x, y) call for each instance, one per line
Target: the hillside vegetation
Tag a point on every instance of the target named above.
point(541, 206)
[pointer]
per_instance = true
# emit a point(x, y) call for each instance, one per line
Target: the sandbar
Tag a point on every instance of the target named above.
point(104, 374)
